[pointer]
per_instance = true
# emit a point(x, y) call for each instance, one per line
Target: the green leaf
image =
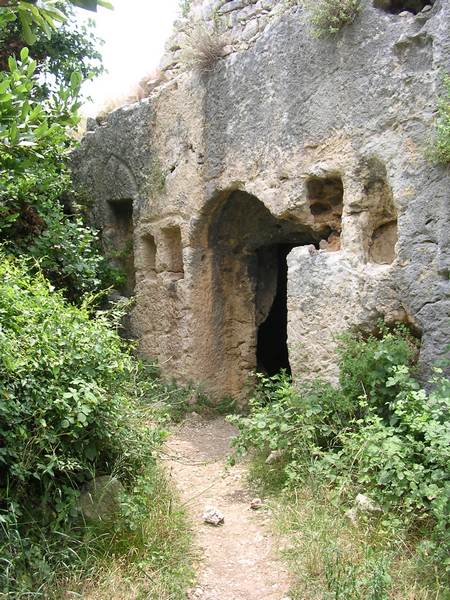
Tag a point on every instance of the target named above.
point(86, 4)
point(31, 68)
point(4, 85)
point(24, 53)
point(75, 81)
point(12, 64)
point(27, 34)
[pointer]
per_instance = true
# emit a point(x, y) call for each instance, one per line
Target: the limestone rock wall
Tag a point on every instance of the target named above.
point(291, 146)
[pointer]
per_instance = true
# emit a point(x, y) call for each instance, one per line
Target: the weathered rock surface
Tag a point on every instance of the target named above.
point(290, 141)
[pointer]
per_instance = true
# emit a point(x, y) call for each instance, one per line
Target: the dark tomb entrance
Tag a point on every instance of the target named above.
point(272, 351)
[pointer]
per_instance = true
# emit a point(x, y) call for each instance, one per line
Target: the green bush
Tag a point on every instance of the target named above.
point(303, 421)
point(328, 17)
point(69, 255)
point(380, 433)
point(34, 177)
point(68, 412)
point(365, 364)
point(404, 464)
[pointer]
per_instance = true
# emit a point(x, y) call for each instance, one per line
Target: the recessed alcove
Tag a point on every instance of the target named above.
point(148, 254)
point(325, 199)
point(246, 284)
point(118, 237)
point(382, 245)
point(397, 6)
point(380, 232)
point(171, 254)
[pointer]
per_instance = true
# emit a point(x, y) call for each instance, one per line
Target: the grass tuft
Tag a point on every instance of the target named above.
point(331, 559)
point(145, 554)
point(203, 48)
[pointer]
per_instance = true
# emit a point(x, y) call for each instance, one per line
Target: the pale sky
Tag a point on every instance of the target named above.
point(134, 33)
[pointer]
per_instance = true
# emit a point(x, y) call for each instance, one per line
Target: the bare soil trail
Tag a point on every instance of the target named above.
point(237, 560)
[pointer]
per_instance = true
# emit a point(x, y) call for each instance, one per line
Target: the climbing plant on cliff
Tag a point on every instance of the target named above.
point(440, 152)
point(328, 17)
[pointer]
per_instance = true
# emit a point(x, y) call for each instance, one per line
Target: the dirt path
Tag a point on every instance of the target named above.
point(237, 559)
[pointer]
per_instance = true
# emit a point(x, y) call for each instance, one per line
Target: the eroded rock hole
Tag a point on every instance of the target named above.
point(325, 198)
point(397, 6)
point(272, 351)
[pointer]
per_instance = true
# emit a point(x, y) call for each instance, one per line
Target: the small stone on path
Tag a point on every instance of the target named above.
point(256, 503)
point(212, 516)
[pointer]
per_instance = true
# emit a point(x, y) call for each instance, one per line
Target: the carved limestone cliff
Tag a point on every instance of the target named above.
point(284, 193)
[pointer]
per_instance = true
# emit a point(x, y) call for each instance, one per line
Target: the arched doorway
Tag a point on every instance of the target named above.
point(242, 320)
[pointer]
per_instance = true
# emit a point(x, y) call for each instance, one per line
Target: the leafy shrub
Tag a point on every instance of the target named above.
point(65, 386)
point(405, 463)
point(34, 144)
point(328, 17)
point(68, 412)
point(72, 46)
point(440, 151)
point(68, 253)
point(379, 433)
point(303, 421)
point(365, 364)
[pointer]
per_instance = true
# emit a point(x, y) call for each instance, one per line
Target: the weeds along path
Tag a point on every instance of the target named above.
point(237, 560)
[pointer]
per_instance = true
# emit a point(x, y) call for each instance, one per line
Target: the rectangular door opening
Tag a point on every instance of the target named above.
point(272, 351)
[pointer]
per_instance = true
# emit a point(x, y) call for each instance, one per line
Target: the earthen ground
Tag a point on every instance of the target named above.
point(237, 560)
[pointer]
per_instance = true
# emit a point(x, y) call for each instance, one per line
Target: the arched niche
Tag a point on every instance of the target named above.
point(240, 283)
point(119, 192)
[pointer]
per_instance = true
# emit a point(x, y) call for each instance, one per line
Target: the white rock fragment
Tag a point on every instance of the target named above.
point(212, 516)
point(365, 504)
